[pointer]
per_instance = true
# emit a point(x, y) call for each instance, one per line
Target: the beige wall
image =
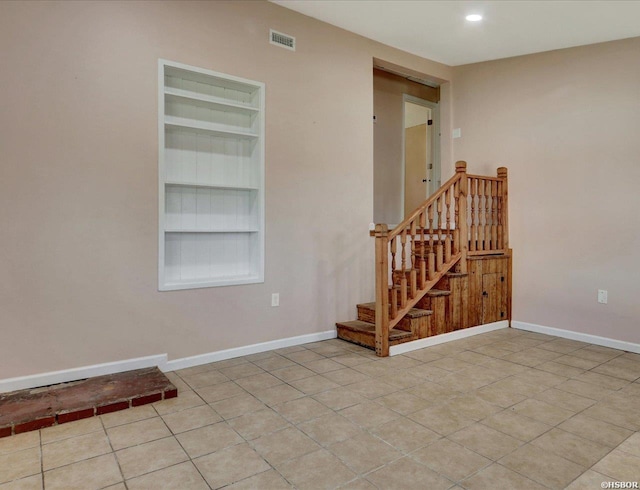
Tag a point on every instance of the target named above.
point(388, 90)
point(565, 123)
point(78, 178)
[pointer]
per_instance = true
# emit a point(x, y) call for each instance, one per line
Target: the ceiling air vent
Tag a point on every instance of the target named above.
point(282, 40)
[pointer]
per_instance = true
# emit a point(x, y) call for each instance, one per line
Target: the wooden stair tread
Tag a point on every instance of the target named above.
point(370, 329)
point(437, 292)
point(457, 274)
point(413, 312)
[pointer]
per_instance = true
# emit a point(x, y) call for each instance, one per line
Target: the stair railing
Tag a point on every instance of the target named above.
point(411, 258)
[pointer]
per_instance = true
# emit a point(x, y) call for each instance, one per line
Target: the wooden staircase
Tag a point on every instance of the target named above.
point(446, 267)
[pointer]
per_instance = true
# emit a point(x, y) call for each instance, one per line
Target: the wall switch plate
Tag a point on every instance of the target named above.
point(457, 133)
point(602, 296)
point(275, 299)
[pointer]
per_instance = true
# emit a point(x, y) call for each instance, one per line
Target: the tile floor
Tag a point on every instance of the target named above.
point(507, 409)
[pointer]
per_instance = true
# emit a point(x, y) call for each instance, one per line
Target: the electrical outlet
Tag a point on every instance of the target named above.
point(275, 299)
point(602, 296)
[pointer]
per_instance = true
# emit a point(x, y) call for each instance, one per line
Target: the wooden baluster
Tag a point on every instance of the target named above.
point(393, 254)
point(403, 273)
point(413, 278)
point(439, 251)
point(456, 217)
point(431, 255)
point(500, 235)
point(447, 237)
point(382, 290)
point(502, 174)
point(487, 215)
point(461, 168)
point(473, 243)
point(423, 262)
point(394, 302)
point(403, 243)
point(480, 208)
point(494, 215)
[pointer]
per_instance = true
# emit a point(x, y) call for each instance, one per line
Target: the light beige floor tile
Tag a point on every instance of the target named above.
point(602, 380)
point(276, 362)
point(301, 410)
point(90, 474)
point(282, 445)
point(256, 424)
point(619, 465)
point(531, 357)
point(345, 376)
point(610, 413)
point(351, 359)
point(319, 470)
point(369, 414)
point(472, 407)
point(578, 362)
point(499, 396)
point(631, 445)
point(70, 429)
point(442, 422)
point(182, 401)
point(506, 367)
point(183, 475)
point(433, 392)
point(592, 353)
point(560, 369)
point(19, 442)
point(151, 456)
point(209, 439)
point(589, 479)
point(302, 356)
point(313, 384)
point(74, 449)
point(574, 448)
point(562, 399)
point(277, 394)
point(562, 346)
point(293, 373)
point(329, 429)
point(237, 406)
point(450, 459)
point(364, 452)
point(339, 398)
point(18, 464)
point(358, 484)
point(376, 369)
point(405, 435)
point(423, 355)
point(586, 390)
point(451, 364)
point(29, 483)
point(324, 366)
point(497, 477)
point(191, 418)
point(178, 382)
point(406, 474)
point(620, 367)
point(402, 379)
point(129, 415)
point(542, 411)
point(258, 382)
point(137, 433)
point(539, 378)
point(545, 468)
point(518, 386)
point(248, 369)
point(195, 369)
point(404, 403)
point(268, 480)
point(230, 465)
point(518, 426)
point(207, 378)
point(595, 430)
point(486, 441)
point(215, 393)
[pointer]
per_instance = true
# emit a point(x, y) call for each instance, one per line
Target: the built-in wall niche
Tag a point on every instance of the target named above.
point(211, 133)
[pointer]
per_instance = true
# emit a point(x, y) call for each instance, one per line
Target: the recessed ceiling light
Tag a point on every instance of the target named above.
point(474, 18)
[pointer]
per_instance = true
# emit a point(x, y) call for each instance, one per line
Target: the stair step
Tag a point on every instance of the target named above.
point(457, 274)
point(413, 312)
point(437, 292)
point(364, 333)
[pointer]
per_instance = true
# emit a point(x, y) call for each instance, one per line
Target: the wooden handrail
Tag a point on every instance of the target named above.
point(466, 215)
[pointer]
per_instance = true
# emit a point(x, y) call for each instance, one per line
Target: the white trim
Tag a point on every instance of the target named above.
point(582, 337)
point(246, 350)
point(55, 377)
point(395, 350)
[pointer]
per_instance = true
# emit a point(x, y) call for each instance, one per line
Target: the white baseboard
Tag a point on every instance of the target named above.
point(55, 377)
point(246, 350)
point(394, 350)
point(582, 337)
point(160, 360)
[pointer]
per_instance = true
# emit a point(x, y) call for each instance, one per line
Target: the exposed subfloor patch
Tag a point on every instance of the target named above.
point(33, 409)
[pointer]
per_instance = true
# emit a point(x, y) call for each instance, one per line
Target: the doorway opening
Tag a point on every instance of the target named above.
point(421, 156)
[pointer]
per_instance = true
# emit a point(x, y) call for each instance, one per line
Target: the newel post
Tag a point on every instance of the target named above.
point(502, 174)
point(461, 168)
point(382, 290)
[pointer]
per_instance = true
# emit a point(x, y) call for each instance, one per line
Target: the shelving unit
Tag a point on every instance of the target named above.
point(211, 168)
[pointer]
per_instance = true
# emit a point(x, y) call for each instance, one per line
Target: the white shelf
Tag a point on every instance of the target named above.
point(211, 178)
point(177, 230)
point(211, 100)
point(212, 186)
point(215, 129)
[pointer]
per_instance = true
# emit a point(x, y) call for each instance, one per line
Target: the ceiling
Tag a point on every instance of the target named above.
point(437, 30)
